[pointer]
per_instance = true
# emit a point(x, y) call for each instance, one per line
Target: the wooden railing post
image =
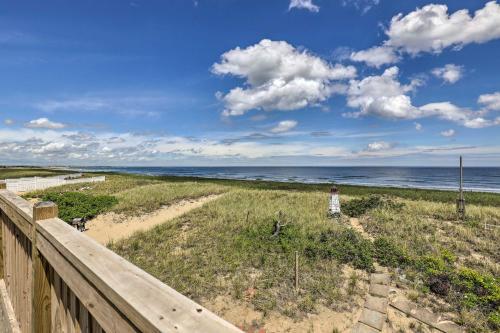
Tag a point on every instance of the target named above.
point(3, 186)
point(41, 311)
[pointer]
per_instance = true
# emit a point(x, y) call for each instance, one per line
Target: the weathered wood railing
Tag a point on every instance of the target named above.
point(60, 280)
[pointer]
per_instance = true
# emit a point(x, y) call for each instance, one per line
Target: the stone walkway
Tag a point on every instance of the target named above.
point(374, 314)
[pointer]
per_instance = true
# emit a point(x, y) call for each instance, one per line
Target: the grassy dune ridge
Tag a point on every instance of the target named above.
point(20, 172)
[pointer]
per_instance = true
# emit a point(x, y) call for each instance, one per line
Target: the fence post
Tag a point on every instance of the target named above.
point(3, 186)
point(40, 279)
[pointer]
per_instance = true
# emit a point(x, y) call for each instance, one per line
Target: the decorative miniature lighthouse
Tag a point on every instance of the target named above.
point(334, 209)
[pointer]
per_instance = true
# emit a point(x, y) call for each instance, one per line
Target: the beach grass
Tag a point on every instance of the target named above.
point(228, 247)
point(147, 198)
point(20, 172)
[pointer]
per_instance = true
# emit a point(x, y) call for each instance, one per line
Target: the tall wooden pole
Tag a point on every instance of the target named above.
point(461, 199)
point(296, 270)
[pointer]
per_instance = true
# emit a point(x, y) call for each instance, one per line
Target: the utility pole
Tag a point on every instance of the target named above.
point(461, 200)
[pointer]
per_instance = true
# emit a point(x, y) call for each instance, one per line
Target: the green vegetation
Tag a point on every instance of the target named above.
point(233, 247)
point(80, 205)
point(19, 172)
point(230, 245)
point(150, 197)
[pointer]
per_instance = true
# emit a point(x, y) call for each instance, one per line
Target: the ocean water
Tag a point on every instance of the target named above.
point(475, 179)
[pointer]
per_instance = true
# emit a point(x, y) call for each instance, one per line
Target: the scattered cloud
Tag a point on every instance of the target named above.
point(139, 104)
point(376, 56)
point(284, 126)
point(490, 101)
point(384, 96)
point(450, 73)
point(362, 5)
point(303, 4)
point(432, 29)
point(8, 122)
point(44, 123)
point(448, 133)
point(418, 126)
point(379, 146)
point(278, 77)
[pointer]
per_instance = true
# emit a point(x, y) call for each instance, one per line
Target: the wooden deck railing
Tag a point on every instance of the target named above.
point(60, 280)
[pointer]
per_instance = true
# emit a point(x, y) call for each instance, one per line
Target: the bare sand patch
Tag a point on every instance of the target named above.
point(356, 225)
point(243, 315)
point(110, 227)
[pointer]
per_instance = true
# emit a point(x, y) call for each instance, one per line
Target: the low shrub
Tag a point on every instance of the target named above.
point(388, 253)
point(80, 205)
point(347, 246)
point(358, 207)
point(481, 289)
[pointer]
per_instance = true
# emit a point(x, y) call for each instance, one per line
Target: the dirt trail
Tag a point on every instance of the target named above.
point(111, 226)
point(356, 225)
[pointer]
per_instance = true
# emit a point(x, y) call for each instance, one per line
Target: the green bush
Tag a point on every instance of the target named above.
point(358, 207)
point(388, 253)
point(80, 205)
point(347, 246)
point(480, 289)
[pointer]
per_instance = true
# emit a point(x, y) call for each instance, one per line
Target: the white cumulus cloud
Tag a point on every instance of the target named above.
point(448, 133)
point(303, 4)
point(284, 126)
point(278, 77)
point(432, 29)
point(490, 101)
point(379, 146)
point(44, 123)
point(450, 73)
point(384, 96)
point(376, 56)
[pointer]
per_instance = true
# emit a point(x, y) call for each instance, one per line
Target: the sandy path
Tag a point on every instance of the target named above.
point(356, 225)
point(111, 226)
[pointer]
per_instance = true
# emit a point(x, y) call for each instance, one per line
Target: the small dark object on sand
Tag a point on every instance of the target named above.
point(79, 223)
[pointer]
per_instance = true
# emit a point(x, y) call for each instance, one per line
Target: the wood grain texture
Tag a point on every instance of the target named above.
point(145, 301)
point(18, 210)
point(94, 303)
point(17, 267)
point(41, 299)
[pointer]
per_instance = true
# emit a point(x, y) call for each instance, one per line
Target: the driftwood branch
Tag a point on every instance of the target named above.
point(278, 225)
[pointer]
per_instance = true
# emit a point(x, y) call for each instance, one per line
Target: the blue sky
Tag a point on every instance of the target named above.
point(233, 82)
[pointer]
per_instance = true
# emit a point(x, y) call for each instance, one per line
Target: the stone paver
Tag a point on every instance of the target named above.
point(380, 278)
point(363, 328)
point(372, 318)
point(449, 327)
point(426, 316)
point(379, 290)
point(376, 303)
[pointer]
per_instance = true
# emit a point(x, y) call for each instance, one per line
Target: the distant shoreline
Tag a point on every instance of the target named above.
point(430, 182)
